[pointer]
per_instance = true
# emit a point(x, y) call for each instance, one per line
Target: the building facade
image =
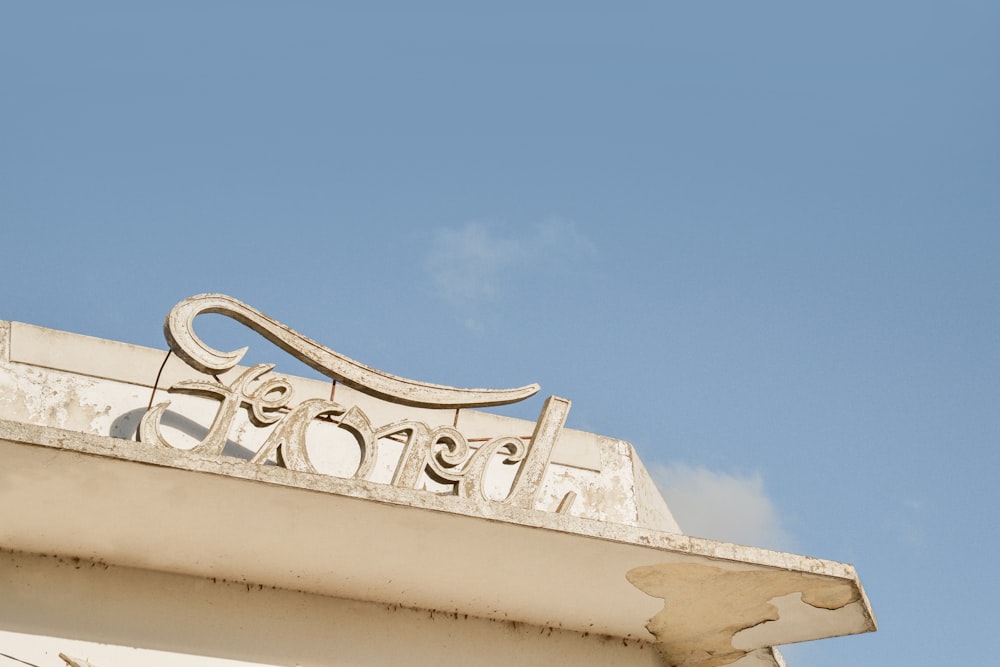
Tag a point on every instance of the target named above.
point(176, 508)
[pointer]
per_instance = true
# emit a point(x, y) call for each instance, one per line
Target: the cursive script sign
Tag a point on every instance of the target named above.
point(441, 453)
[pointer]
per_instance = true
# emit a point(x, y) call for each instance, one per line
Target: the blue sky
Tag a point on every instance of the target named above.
point(758, 240)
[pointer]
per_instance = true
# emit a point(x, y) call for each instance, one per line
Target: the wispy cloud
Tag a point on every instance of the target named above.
point(906, 521)
point(471, 265)
point(465, 264)
point(722, 506)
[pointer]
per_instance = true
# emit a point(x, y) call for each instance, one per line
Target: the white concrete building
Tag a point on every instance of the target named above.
point(173, 508)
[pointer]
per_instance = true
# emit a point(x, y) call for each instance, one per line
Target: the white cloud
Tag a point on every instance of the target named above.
point(721, 506)
point(469, 265)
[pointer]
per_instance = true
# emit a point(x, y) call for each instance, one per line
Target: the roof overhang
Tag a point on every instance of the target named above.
point(131, 504)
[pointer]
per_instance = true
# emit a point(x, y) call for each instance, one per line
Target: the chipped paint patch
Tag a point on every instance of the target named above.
point(62, 400)
point(717, 615)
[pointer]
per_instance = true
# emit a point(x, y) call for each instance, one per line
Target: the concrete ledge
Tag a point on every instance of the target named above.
point(126, 503)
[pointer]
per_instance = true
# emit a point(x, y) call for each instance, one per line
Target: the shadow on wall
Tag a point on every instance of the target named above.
point(126, 427)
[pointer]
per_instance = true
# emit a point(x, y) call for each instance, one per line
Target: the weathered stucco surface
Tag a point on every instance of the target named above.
point(78, 383)
point(252, 511)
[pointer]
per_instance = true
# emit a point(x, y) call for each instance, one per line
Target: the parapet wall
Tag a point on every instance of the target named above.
point(100, 387)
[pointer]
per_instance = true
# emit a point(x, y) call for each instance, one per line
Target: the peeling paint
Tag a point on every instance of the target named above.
point(716, 615)
point(50, 398)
